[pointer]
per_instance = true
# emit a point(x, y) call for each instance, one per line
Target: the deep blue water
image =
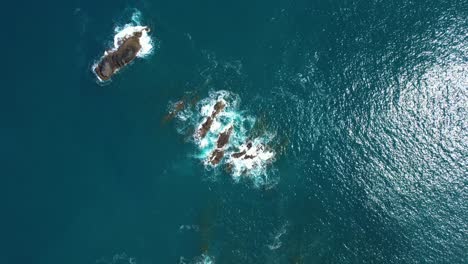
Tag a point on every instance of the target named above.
point(368, 99)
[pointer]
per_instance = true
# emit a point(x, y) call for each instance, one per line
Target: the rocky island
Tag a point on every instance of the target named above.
point(120, 56)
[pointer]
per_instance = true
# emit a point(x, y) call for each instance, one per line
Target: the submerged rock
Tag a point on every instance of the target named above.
point(179, 106)
point(126, 52)
point(186, 102)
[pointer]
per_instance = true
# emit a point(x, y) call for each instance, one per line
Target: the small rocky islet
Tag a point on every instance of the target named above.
point(116, 59)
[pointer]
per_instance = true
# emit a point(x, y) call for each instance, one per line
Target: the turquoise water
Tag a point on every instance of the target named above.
point(367, 101)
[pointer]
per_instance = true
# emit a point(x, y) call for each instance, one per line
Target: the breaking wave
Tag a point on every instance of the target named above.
point(203, 259)
point(127, 30)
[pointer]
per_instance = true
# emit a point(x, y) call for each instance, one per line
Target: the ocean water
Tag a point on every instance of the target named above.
point(363, 103)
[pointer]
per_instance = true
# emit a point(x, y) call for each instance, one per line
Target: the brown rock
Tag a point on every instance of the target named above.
point(216, 156)
point(218, 153)
point(205, 127)
point(218, 107)
point(126, 52)
point(238, 154)
point(223, 138)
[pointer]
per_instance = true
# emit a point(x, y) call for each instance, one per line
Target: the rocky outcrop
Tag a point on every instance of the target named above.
point(205, 127)
point(114, 60)
point(218, 153)
point(186, 102)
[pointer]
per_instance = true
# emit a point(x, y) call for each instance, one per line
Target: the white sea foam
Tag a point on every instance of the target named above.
point(203, 259)
point(254, 161)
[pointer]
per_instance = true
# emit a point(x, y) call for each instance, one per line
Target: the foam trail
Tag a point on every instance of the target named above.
point(276, 243)
point(203, 259)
